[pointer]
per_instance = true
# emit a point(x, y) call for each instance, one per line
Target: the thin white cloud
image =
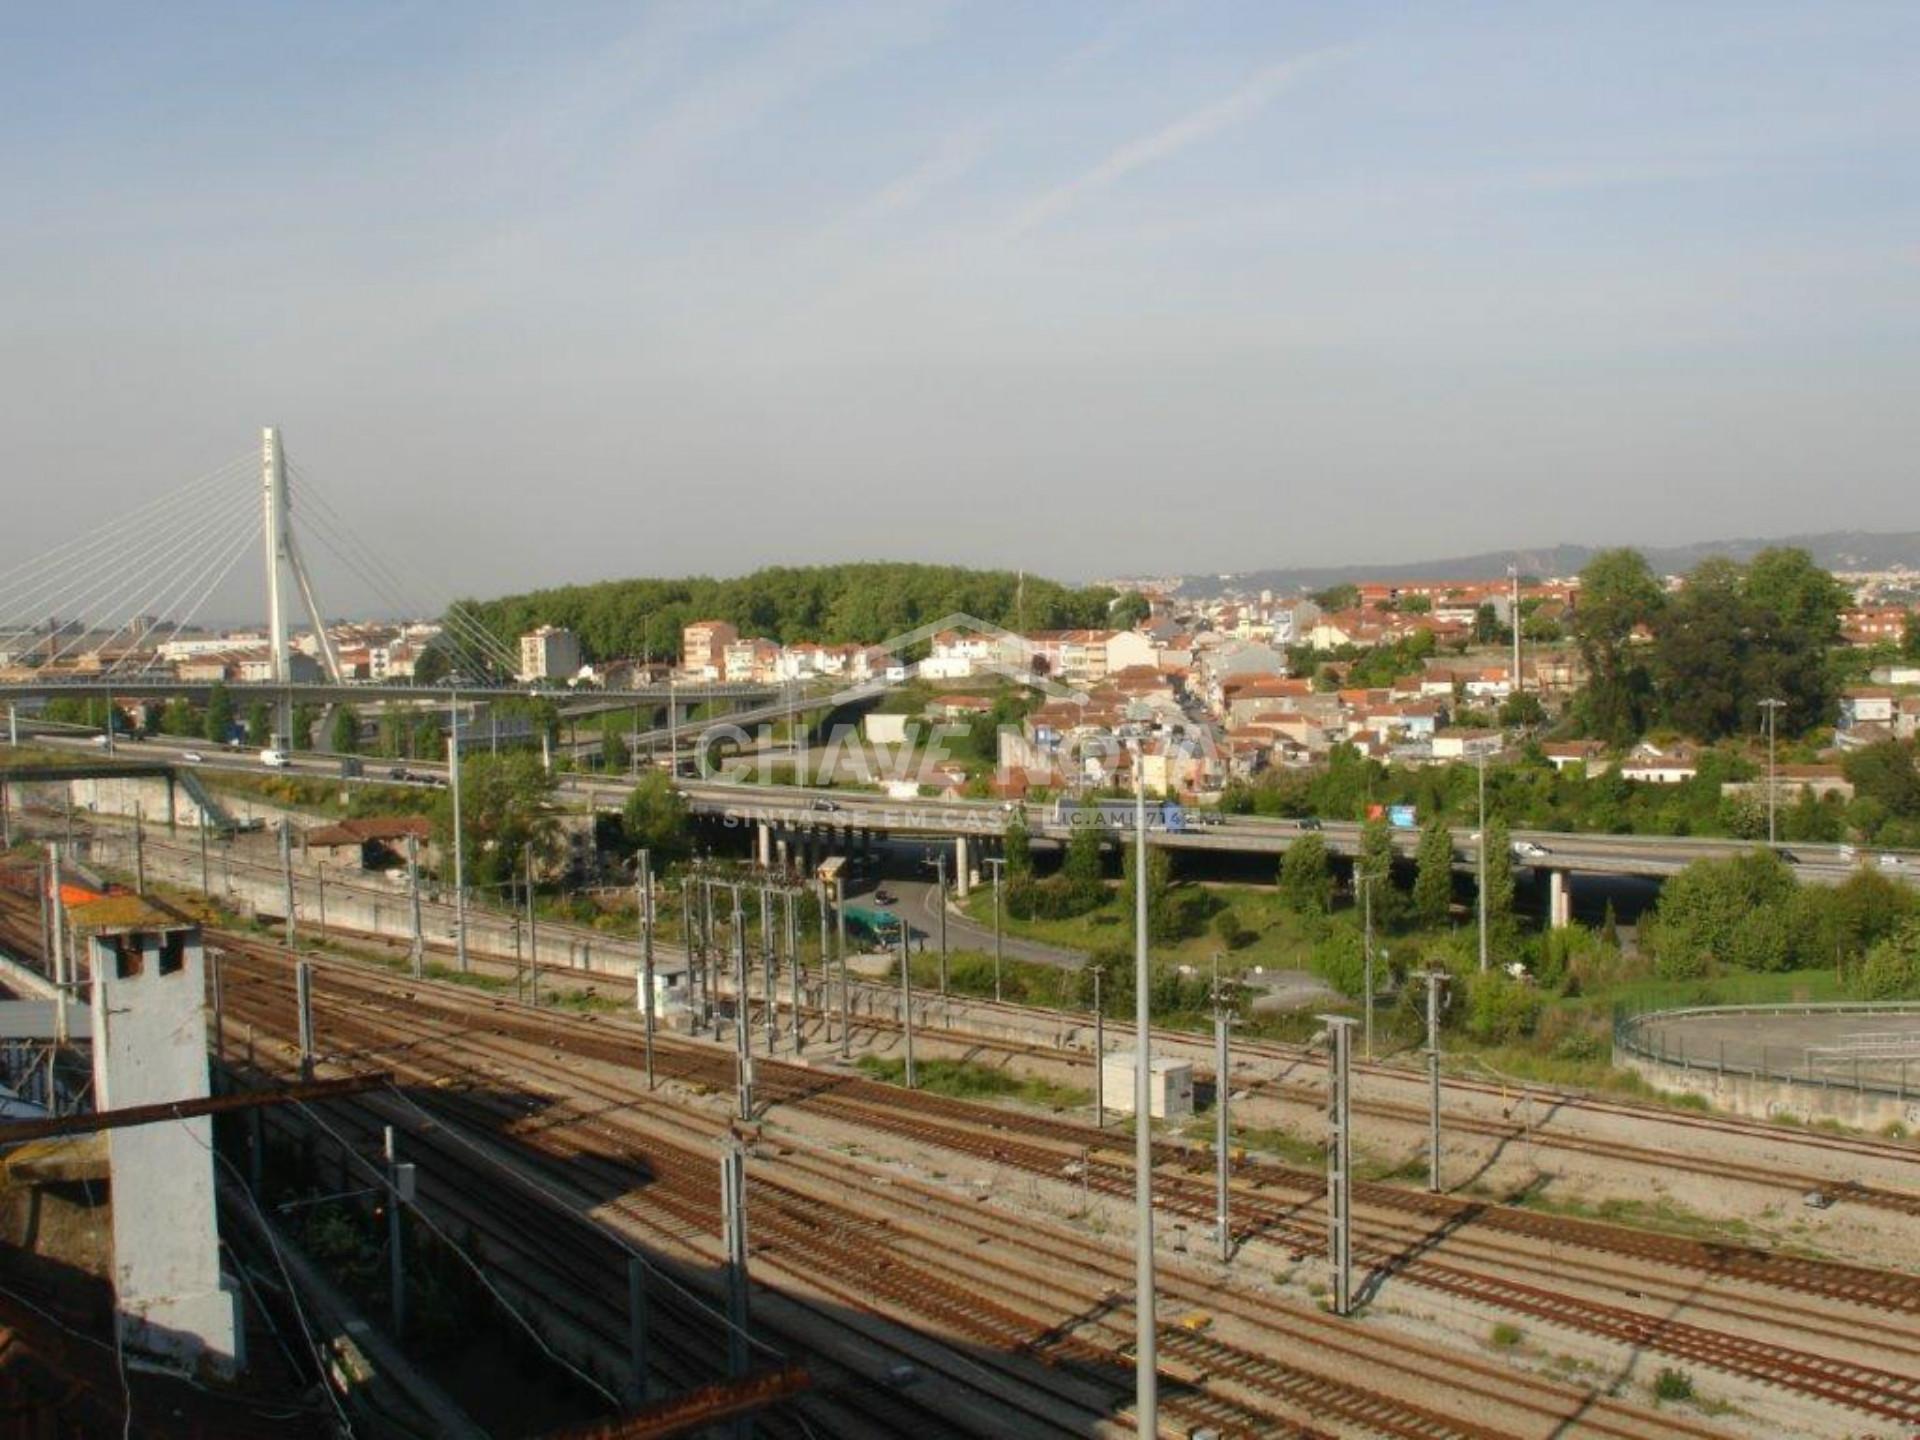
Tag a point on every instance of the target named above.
point(1239, 105)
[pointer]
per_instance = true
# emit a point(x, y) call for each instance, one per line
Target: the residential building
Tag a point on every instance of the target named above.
point(703, 647)
point(549, 653)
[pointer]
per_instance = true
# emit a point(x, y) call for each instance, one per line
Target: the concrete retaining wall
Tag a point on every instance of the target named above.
point(1777, 1097)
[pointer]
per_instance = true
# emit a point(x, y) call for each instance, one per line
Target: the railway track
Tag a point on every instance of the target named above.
point(989, 1135)
point(960, 1298)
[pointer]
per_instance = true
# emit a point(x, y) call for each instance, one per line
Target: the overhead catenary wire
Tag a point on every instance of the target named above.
point(479, 1271)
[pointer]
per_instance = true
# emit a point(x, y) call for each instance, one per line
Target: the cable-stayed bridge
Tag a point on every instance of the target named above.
point(101, 613)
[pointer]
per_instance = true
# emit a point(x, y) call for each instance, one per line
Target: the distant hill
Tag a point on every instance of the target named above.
point(1834, 550)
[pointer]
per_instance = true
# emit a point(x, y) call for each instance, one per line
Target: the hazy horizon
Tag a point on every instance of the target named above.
point(1088, 290)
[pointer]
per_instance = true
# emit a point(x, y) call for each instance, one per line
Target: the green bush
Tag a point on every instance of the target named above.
point(1891, 970)
point(1500, 1009)
point(1228, 930)
point(1671, 1384)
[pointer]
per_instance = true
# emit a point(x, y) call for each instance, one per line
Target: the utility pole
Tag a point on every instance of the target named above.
point(206, 868)
point(533, 922)
point(840, 949)
point(417, 948)
point(636, 1330)
point(1339, 1160)
point(286, 872)
point(459, 845)
point(733, 1224)
point(1222, 1086)
point(940, 901)
point(57, 910)
point(1366, 945)
point(999, 865)
point(742, 1031)
point(1773, 709)
point(644, 913)
point(303, 997)
point(906, 1001)
point(1482, 861)
point(1514, 615)
point(1435, 979)
point(793, 965)
point(768, 949)
point(400, 1189)
point(1099, 1057)
point(1146, 1406)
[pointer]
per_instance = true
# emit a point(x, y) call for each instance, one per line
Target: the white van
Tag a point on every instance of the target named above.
point(276, 758)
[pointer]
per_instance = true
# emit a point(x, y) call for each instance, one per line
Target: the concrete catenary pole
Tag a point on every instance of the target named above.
point(1099, 1057)
point(417, 944)
point(303, 998)
point(286, 874)
point(840, 949)
point(1222, 1086)
point(1146, 1336)
point(1435, 979)
point(906, 1001)
point(999, 943)
point(459, 844)
point(643, 912)
point(1481, 848)
point(1339, 1160)
point(733, 1218)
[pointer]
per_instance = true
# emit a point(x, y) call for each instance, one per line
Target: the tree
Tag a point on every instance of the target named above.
point(656, 818)
point(1163, 919)
point(1522, 708)
point(1018, 844)
point(1081, 868)
point(1724, 914)
point(506, 808)
point(432, 665)
point(1129, 610)
point(1499, 867)
point(1910, 638)
point(1786, 583)
point(305, 719)
point(1891, 970)
point(1886, 772)
point(1306, 881)
point(1337, 597)
point(259, 724)
point(1433, 876)
point(1376, 861)
point(180, 718)
point(1617, 592)
point(615, 755)
point(346, 731)
point(219, 714)
point(1486, 623)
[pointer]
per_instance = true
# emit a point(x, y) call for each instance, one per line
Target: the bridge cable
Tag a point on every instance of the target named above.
point(223, 554)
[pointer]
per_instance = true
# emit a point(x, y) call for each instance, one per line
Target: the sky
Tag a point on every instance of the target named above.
point(551, 293)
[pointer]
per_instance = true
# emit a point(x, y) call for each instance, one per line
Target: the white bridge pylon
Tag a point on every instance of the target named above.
point(283, 554)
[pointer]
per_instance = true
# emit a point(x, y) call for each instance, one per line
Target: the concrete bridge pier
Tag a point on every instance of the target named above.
point(763, 844)
point(1559, 899)
point(962, 867)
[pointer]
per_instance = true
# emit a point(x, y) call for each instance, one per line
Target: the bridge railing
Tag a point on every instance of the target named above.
point(1655, 1036)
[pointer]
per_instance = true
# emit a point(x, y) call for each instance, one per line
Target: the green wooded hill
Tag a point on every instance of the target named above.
point(824, 604)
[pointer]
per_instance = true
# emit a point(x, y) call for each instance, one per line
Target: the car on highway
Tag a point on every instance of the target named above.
point(274, 759)
point(191, 757)
point(1892, 862)
point(1308, 822)
point(828, 806)
point(1530, 850)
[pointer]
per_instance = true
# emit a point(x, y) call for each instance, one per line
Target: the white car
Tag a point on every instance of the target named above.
point(1892, 862)
point(191, 757)
point(1530, 850)
point(277, 759)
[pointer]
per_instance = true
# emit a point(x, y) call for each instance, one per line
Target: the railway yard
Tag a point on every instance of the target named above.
point(948, 1266)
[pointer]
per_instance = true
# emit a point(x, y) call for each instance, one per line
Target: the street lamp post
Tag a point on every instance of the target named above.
point(1772, 708)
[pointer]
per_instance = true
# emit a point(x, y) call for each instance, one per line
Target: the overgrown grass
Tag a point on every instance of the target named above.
point(966, 1080)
